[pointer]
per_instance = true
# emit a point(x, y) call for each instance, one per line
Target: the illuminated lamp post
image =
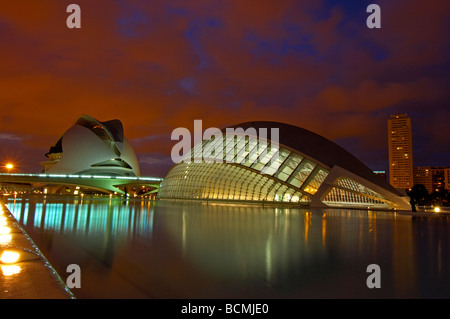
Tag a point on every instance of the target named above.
point(9, 167)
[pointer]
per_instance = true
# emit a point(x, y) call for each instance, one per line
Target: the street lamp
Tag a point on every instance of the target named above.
point(9, 167)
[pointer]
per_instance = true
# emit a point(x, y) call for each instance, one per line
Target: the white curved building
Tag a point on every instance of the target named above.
point(304, 169)
point(92, 147)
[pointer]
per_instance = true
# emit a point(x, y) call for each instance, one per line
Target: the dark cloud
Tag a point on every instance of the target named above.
point(158, 65)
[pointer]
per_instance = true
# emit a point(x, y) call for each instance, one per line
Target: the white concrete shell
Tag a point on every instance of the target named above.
point(92, 147)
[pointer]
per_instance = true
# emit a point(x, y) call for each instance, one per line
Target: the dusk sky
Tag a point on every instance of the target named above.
point(159, 65)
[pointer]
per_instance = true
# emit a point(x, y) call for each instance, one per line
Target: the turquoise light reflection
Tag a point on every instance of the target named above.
point(89, 216)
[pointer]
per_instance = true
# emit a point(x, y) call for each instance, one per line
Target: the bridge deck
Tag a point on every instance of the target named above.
point(107, 183)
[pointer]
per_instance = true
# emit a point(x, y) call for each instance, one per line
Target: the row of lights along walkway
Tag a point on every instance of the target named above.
point(26, 273)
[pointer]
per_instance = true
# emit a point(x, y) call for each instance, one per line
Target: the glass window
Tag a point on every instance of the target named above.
point(224, 182)
point(288, 167)
point(254, 154)
point(275, 162)
point(232, 147)
point(241, 150)
point(218, 153)
point(296, 197)
point(316, 181)
point(198, 149)
point(209, 152)
point(249, 146)
point(264, 157)
point(301, 173)
point(279, 195)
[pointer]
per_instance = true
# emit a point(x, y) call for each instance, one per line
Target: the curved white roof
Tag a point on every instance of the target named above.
point(94, 147)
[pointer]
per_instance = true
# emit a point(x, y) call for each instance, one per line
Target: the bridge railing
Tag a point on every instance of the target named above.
point(137, 178)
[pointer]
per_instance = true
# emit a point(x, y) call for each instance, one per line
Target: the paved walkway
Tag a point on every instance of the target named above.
point(427, 213)
point(30, 278)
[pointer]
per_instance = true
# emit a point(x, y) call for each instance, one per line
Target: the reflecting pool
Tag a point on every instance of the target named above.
point(171, 249)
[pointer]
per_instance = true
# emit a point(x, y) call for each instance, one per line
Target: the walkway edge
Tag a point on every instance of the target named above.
point(28, 279)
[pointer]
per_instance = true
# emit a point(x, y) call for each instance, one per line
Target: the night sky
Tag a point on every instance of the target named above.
point(159, 65)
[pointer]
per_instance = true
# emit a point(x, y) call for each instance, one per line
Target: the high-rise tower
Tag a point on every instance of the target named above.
point(400, 151)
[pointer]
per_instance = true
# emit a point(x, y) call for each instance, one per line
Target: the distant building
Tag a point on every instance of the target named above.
point(400, 151)
point(382, 174)
point(438, 178)
point(423, 176)
point(432, 177)
point(92, 147)
point(447, 178)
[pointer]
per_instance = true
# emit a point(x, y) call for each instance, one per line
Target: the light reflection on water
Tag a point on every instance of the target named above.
point(164, 249)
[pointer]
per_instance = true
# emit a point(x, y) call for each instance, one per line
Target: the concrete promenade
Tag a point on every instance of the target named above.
point(428, 212)
point(31, 276)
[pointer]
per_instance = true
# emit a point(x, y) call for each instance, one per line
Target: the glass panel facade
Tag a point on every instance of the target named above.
point(254, 154)
point(214, 150)
point(350, 192)
point(276, 161)
point(316, 181)
point(221, 181)
point(301, 173)
point(357, 187)
point(243, 168)
point(340, 197)
point(288, 167)
point(264, 157)
point(244, 154)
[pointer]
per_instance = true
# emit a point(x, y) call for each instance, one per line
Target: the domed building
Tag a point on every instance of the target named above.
point(91, 147)
point(298, 167)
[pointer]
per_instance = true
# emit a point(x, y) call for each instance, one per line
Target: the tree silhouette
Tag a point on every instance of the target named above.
point(420, 194)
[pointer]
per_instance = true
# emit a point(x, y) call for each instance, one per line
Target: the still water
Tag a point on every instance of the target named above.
point(167, 249)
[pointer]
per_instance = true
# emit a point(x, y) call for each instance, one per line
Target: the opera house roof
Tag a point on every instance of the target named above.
point(92, 147)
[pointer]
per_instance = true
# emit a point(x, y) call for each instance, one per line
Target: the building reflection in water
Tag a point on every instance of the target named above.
point(172, 249)
point(116, 218)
